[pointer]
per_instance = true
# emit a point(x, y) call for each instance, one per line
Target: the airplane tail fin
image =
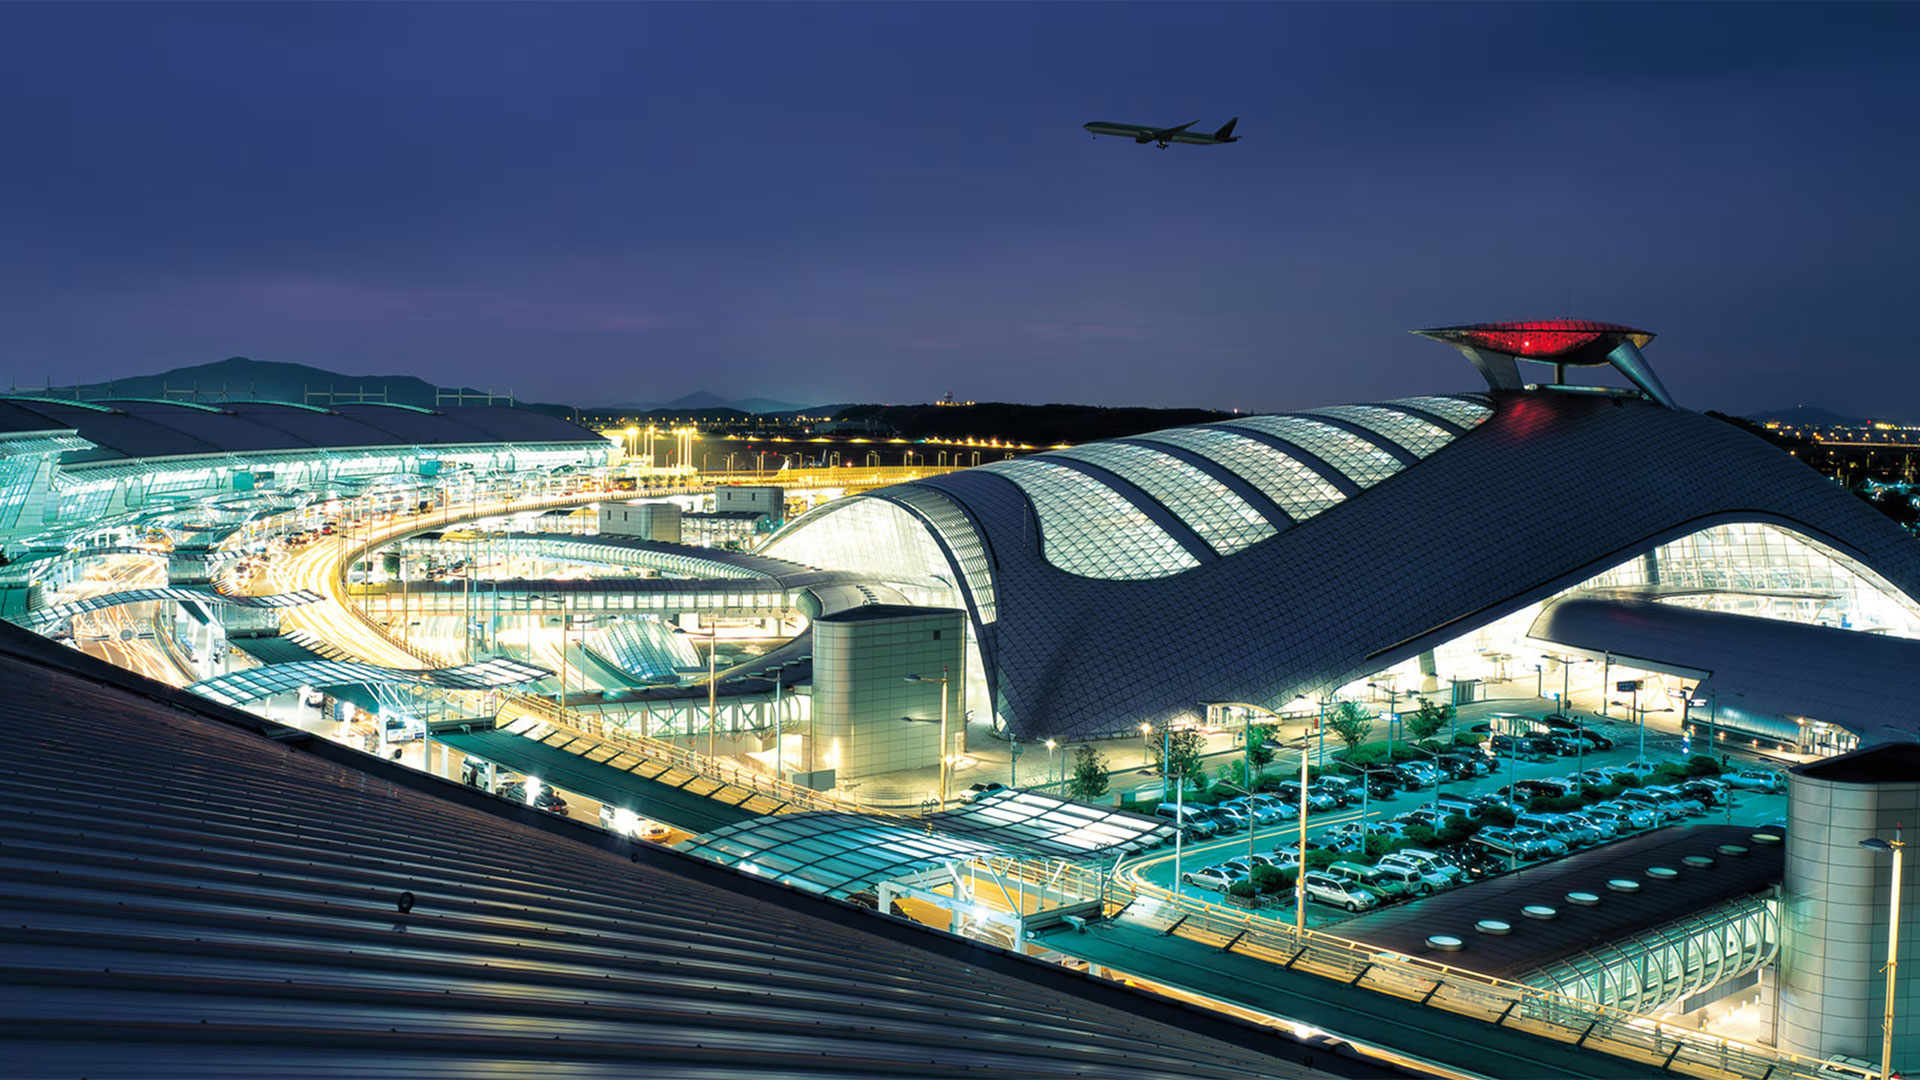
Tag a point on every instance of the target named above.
point(1226, 132)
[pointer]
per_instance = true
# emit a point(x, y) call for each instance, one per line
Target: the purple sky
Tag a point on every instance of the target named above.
point(598, 202)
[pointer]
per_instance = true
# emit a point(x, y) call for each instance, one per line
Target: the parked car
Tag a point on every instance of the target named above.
point(1607, 829)
point(1339, 795)
point(1471, 860)
point(1702, 792)
point(1427, 862)
point(1452, 803)
point(1755, 780)
point(1503, 746)
point(1260, 814)
point(1524, 843)
point(1316, 800)
point(1644, 799)
point(1217, 878)
point(1409, 777)
point(1226, 819)
point(1326, 889)
point(1625, 816)
point(1192, 822)
point(1561, 828)
point(1490, 801)
point(1286, 811)
point(1412, 880)
point(1382, 885)
point(1686, 804)
point(981, 791)
point(544, 798)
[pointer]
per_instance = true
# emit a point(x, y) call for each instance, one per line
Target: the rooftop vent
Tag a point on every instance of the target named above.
point(1493, 926)
point(1766, 838)
point(1702, 861)
point(1736, 850)
point(1621, 884)
point(1663, 873)
point(1539, 911)
point(1584, 899)
point(1445, 943)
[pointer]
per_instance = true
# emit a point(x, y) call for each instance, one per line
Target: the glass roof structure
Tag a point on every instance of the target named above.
point(1294, 487)
point(1224, 520)
point(239, 687)
point(1422, 437)
point(1088, 528)
point(204, 596)
point(839, 854)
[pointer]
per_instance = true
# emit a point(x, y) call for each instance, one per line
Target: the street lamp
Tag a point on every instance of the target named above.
point(1875, 844)
point(1051, 747)
point(945, 746)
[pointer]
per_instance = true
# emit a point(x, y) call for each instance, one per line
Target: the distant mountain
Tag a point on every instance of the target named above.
point(238, 378)
point(1809, 415)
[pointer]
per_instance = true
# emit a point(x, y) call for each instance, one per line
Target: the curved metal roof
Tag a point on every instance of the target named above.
point(191, 892)
point(1404, 558)
point(1791, 669)
point(146, 428)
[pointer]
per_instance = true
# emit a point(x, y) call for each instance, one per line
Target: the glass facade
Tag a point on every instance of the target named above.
point(1649, 971)
point(871, 536)
point(1087, 528)
point(1770, 572)
point(1295, 488)
point(1224, 520)
point(961, 538)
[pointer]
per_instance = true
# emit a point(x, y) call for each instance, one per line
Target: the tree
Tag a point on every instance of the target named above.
point(1183, 752)
point(1258, 751)
point(1349, 723)
point(1425, 722)
point(1089, 774)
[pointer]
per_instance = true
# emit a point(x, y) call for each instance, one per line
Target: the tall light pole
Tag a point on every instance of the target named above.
point(1051, 747)
point(945, 746)
point(1874, 843)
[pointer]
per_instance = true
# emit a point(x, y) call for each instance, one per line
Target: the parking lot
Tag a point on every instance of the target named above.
point(1389, 814)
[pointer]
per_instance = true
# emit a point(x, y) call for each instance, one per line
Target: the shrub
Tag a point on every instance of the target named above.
point(1364, 756)
point(1269, 782)
point(1242, 889)
point(1626, 780)
point(1561, 804)
point(1271, 880)
point(1469, 738)
point(1668, 771)
point(1321, 858)
point(1455, 830)
point(1702, 765)
point(1496, 815)
point(1418, 836)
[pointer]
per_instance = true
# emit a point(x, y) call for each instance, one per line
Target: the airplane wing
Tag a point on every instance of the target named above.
point(1167, 133)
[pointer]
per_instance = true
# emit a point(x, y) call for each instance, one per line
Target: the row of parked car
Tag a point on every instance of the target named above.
point(1356, 886)
point(1324, 794)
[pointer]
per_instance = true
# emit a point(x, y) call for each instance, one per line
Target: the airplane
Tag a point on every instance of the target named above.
point(1161, 137)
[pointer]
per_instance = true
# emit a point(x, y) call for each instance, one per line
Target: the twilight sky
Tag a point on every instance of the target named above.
point(817, 202)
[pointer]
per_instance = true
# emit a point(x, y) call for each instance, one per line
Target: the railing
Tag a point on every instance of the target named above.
point(1498, 1001)
point(692, 761)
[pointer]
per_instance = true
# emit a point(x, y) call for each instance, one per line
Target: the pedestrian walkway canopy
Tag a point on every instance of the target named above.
point(238, 687)
point(55, 613)
point(839, 854)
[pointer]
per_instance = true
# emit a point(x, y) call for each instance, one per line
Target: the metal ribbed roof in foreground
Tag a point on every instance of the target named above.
point(184, 897)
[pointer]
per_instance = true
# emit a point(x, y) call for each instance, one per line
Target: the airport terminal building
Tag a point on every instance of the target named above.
point(1262, 559)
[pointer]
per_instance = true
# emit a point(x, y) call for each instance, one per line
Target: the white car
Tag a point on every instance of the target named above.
point(1217, 878)
point(1327, 889)
point(1412, 880)
point(1427, 863)
point(1755, 780)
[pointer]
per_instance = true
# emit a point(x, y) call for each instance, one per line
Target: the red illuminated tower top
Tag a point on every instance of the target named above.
point(1493, 348)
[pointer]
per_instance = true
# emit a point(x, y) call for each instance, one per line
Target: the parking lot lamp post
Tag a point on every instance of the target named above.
point(1146, 746)
point(1300, 869)
point(1051, 747)
point(1513, 797)
point(1875, 844)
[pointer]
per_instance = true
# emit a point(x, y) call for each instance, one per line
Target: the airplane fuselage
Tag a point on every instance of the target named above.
point(1163, 137)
